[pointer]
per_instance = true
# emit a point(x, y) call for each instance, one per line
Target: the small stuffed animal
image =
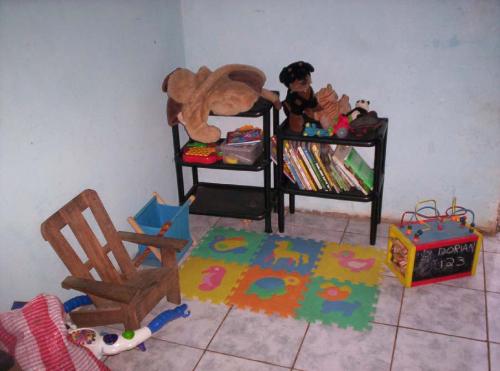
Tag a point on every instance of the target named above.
point(362, 119)
point(300, 101)
point(332, 107)
point(302, 105)
point(228, 90)
point(361, 108)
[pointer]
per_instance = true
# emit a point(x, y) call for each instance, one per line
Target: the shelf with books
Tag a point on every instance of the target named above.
point(231, 200)
point(330, 167)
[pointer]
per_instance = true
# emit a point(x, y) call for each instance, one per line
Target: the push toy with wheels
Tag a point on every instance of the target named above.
point(109, 344)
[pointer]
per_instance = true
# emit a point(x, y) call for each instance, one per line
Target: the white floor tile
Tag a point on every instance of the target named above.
point(389, 301)
point(318, 220)
point(495, 356)
point(491, 243)
point(364, 239)
point(260, 337)
point(159, 355)
point(417, 350)
point(362, 226)
point(332, 348)
point(445, 309)
point(235, 223)
point(219, 362)
point(196, 330)
point(493, 300)
point(492, 271)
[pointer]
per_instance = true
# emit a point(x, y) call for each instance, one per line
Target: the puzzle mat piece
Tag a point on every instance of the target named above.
point(209, 279)
point(288, 253)
point(229, 245)
point(343, 303)
point(357, 264)
point(270, 291)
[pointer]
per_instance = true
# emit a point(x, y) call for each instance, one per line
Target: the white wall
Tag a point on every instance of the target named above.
point(431, 67)
point(81, 107)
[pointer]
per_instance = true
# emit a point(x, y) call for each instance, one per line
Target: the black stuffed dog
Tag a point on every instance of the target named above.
point(300, 102)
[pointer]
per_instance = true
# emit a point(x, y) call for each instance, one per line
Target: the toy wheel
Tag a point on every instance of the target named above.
point(342, 132)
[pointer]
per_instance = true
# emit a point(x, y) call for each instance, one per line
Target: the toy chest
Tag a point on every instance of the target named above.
point(155, 215)
point(243, 154)
point(440, 250)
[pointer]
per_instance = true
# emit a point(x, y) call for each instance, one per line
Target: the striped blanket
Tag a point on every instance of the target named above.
point(36, 337)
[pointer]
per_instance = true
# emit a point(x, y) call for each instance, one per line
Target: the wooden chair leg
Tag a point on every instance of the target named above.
point(174, 290)
point(132, 321)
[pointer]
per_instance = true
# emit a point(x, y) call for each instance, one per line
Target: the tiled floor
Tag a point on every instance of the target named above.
point(450, 326)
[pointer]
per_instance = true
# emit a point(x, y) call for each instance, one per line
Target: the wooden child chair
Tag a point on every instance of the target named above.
point(125, 295)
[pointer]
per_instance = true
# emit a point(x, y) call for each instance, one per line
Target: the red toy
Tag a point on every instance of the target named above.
point(200, 153)
point(341, 129)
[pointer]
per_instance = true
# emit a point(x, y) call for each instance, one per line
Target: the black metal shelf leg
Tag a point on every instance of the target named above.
point(291, 203)
point(373, 222)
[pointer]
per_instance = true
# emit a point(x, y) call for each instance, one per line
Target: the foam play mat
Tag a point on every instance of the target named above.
point(316, 281)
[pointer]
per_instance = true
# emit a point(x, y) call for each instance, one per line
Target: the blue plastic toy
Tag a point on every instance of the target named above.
point(312, 130)
point(158, 218)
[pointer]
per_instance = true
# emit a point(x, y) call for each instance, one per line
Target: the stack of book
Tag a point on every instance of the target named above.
point(325, 167)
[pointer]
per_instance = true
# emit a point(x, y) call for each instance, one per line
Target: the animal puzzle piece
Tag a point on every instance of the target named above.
point(236, 245)
point(331, 292)
point(212, 277)
point(335, 299)
point(268, 287)
point(347, 260)
point(283, 251)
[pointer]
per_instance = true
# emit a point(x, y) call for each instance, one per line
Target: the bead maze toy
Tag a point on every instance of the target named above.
point(158, 218)
point(429, 247)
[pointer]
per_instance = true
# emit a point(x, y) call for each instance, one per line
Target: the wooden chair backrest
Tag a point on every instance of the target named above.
point(72, 215)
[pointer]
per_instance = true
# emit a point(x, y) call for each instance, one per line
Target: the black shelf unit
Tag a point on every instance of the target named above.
point(376, 138)
point(230, 200)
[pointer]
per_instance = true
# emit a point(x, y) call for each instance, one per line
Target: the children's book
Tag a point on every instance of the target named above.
point(287, 170)
point(328, 166)
point(358, 166)
point(310, 185)
point(244, 135)
point(316, 151)
point(315, 166)
point(288, 151)
point(309, 168)
point(291, 169)
point(339, 156)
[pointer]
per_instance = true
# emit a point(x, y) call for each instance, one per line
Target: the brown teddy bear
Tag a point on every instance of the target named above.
point(302, 105)
point(228, 90)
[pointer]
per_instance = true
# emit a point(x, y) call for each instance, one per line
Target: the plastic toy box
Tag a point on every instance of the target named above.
point(435, 248)
point(243, 154)
point(156, 215)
